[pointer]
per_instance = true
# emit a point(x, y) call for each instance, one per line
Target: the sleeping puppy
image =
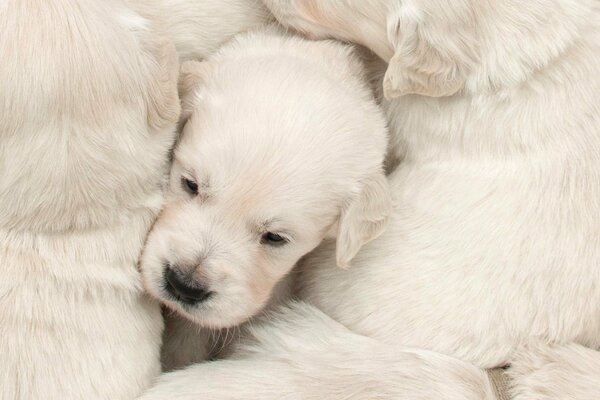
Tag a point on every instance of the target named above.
point(282, 146)
point(87, 117)
point(493, 252)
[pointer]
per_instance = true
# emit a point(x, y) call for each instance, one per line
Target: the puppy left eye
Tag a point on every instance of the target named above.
point(273, 239)
point(189, 185)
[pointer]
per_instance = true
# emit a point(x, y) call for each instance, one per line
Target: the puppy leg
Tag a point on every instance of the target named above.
point(300, 353)
point(542, 372)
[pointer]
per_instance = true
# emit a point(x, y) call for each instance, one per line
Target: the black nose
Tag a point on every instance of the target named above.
point(184, 289)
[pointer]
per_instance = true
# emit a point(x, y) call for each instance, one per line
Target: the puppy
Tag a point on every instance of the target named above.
point(87, 118)
point(494, 239)
point(282, 146)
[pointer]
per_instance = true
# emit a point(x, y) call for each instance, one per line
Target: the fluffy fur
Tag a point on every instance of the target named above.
point(493, 241)
point(87, 117)
point(88, 111)
point(296, 355)
point(281, 135)
point(200, 27)
point(494, 235)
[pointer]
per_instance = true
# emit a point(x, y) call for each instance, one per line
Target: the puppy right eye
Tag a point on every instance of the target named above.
point(189, 186)
point(273, 239)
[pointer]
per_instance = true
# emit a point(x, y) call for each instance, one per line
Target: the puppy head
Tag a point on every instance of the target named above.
point(275, 155)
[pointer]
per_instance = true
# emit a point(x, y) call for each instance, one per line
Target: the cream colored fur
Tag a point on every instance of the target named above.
point(494, 236)
point(88, 110)
point(89, 106)
point(299, 353)
point(302, 158)
point(492, 251)
point(199, 27)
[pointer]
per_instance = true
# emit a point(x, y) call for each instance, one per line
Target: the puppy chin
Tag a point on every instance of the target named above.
point(207, 315)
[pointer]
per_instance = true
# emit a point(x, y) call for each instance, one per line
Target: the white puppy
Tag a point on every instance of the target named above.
point(87, 117)
point(282, 146)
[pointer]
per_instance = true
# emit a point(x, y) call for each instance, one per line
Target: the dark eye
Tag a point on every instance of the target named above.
point(189, 185)
point(273, 239)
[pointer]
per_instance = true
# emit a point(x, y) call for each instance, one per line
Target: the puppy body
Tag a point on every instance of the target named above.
point(495, 211)
point(299, 353)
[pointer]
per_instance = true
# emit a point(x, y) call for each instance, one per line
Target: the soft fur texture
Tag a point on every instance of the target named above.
point(299, 353)
point(494, 237)
point(200, 27)
point(555, 372)
point(281, 135)
point(88, 111)
point(493, 243)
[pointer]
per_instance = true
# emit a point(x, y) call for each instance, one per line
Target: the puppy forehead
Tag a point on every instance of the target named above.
point(271, 197)
point(273, 173)
point(267, 120)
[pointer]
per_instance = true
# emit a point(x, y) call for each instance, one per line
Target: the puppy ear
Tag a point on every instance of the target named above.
point(192, 76)
point(432, 53)
point(363, 219)
point(163, 107)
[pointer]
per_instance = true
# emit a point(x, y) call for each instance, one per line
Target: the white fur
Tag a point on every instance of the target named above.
point(542, 371)
point(296, 355)
point(199, 27)
point(281, 135)
point(88, 111)
point(87, 116)
point(494, 235)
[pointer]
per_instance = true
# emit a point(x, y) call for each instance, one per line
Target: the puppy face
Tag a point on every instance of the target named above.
point(273, 156)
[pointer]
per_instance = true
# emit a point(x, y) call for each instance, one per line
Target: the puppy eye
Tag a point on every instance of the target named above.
point(273, 239)
point(189, 185)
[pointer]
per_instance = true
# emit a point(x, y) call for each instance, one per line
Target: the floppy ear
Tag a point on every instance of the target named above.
point(432, 53)
point(192, 76)
point(363, 219)
point(163, 107)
